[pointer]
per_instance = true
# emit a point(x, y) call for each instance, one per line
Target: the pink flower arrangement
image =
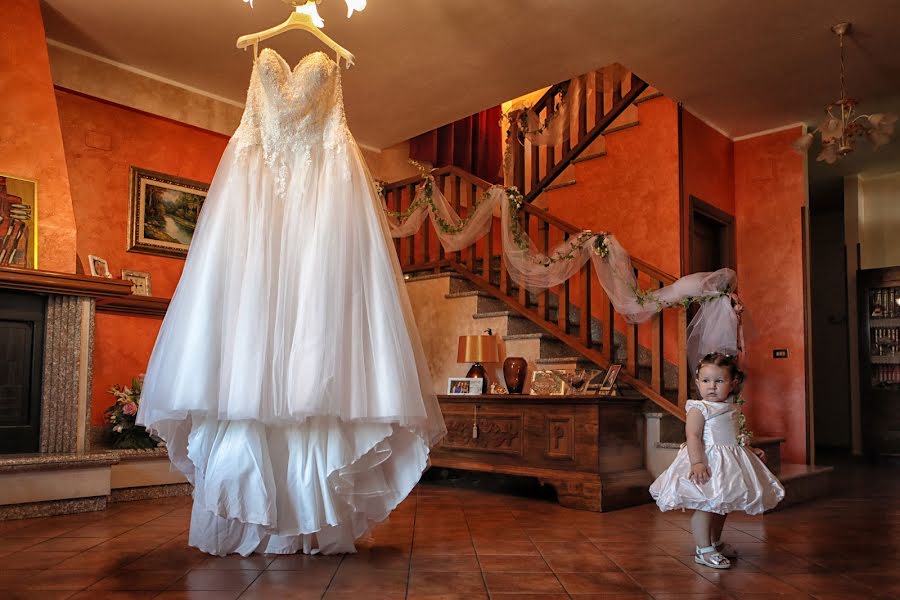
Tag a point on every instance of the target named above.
point(121, 416)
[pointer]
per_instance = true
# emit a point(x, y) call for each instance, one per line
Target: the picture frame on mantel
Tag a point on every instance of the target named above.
point(608, 386)
point(163, 212)
point(18, 222)
point(140, 282)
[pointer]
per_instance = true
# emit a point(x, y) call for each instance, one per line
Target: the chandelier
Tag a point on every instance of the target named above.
point(842, 127)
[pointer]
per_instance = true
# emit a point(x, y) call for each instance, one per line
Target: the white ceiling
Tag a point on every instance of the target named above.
point(744, 67)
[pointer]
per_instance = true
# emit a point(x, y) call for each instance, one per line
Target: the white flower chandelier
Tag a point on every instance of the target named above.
point(842, 127)
point(309, 7)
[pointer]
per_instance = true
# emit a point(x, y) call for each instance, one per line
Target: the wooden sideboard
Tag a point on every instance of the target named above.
point(589, 448)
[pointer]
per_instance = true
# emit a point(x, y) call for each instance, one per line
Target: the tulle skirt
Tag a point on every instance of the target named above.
point(739, 482)
point(288, 379)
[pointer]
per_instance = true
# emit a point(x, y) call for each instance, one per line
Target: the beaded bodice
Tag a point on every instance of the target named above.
point(291, 111)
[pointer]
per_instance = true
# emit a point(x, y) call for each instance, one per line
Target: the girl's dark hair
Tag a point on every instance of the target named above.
point(725, 361)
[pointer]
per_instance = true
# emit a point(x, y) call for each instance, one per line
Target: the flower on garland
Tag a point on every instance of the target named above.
point(744, 434)
point(600, 248)
point(121, 416)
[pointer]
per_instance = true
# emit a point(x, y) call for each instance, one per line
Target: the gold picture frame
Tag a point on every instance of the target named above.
point(18, 222)
point(548, 383)
point(163, 212)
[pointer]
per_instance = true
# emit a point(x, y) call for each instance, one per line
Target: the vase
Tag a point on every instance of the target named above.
point(514, 370)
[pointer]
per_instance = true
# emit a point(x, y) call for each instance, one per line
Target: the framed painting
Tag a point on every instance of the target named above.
point(163, 212)
point(18, 222)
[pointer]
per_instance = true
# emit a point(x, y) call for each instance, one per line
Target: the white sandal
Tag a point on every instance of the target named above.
point(725, 549)
point(709, 557)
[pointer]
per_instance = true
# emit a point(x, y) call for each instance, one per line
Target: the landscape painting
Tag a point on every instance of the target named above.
point(163, 213)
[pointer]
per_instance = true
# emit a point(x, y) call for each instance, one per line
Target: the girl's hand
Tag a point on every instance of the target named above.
point(700, 473)
point(759, 452)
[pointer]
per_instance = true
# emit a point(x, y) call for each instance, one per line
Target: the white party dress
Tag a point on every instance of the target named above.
point(288, 379)
point(739, 482)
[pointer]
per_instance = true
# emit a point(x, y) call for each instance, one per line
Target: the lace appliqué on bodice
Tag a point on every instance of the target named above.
point(289, 112)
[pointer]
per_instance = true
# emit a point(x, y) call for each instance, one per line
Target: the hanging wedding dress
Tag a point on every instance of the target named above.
point(288, 379)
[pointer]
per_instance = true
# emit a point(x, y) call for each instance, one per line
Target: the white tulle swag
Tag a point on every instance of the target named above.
point(715, 327)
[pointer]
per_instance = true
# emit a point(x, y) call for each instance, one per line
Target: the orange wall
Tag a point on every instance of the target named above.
point(102, 141)
point(31, 146)
point(633, 190)
point(708, 161)
point(770, 190)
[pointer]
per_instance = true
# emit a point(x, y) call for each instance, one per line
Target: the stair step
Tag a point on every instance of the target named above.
point(804, 482)
point(561, 184)
point(592, 156)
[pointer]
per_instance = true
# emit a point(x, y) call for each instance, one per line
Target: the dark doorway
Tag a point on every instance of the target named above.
point(711, 237)
point(21, 360)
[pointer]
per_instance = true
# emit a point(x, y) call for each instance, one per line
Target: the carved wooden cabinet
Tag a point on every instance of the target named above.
point(590, 448)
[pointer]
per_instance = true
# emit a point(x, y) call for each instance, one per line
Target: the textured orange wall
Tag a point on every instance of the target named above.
point(102, 141)
point(31, 146)
point(708, 160)
point(633, 190)
point(770, 189)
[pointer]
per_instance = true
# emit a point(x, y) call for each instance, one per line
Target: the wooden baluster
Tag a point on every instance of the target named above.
point(411, 192)
point(562, 312)
point(473, 199)
point(543, 298)
point(585, 333)
point(631, 344)
point(523, 293)
point(656, 351)
point(608, 315)
point(582, 111)
point(535, 165)
point(599, 90)
point(456, 193)
point(684, 370)
point(426, 234)
point(489, 252)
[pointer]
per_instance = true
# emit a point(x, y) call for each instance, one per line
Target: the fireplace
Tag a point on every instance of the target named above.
point(21, 371)
point(46, 347)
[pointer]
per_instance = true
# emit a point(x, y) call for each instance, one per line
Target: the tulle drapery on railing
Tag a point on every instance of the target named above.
point(715, 326)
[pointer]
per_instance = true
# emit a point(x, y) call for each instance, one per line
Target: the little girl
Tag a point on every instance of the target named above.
point(713, 473)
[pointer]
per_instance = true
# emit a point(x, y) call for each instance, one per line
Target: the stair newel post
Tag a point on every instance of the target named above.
point(517, 154)
point(489, 253)
point(535, 166)
point(657, 349)
point(585, 314)
point(562, 311)
point(684, 370)
point(411, 193)
point(439, 184)
point(631, 344)
point(456, 194)
point(473, 200)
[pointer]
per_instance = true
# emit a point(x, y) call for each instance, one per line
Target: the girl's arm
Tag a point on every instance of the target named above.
point(759, 452)
point(693, 429)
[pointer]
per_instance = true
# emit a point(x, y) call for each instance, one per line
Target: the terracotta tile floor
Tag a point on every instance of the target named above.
point(449, 543)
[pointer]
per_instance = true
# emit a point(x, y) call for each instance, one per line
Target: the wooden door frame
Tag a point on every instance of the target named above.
point(729, 246)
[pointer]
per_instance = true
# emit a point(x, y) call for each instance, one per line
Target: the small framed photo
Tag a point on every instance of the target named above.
point(465, 385)
point(608, 387)
point(163, 212)
point(98, 266)
point(548, 383)
point(140, 282)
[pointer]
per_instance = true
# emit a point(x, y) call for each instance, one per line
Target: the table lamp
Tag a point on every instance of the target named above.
point(478, 349)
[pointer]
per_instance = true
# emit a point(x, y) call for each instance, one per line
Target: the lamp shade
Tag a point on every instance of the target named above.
point(478, 348)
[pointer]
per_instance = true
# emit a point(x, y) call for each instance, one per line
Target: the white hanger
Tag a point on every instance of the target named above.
point(303, 18)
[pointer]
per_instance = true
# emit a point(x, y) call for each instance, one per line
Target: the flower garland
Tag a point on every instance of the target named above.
point(125, 432)
point(744, 434)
